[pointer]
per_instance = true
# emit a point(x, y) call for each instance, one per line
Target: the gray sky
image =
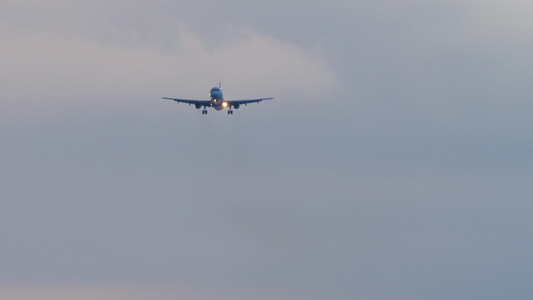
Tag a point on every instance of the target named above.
point(394, 163)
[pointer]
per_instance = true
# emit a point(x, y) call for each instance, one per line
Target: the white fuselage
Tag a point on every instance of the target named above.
point(217, 99)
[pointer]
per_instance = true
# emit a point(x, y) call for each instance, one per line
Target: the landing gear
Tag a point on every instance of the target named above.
point(204, 112)
point(230, 112)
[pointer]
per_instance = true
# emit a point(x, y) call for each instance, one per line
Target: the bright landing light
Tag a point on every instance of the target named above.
point(225, 104)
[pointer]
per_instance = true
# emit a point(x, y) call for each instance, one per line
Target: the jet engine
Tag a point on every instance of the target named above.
point(236, 105)
point(198, 105)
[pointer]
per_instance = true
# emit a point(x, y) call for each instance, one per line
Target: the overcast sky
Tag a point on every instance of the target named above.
point(394, 163)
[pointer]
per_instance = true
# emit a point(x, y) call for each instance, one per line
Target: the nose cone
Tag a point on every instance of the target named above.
point(215, 93)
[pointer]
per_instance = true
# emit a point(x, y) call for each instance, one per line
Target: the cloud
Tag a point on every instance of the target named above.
point(47, 71)
point(104, 292)
point(452, 64)
point(508, 20)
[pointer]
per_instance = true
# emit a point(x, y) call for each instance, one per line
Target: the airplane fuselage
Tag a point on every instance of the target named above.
point(217, 99)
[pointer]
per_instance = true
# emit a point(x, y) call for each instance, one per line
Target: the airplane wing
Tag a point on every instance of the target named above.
point(188, 101)
point(247, 101)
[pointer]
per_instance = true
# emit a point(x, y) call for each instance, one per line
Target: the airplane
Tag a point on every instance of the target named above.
point(217, 101)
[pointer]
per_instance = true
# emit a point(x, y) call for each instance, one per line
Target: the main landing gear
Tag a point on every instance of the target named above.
point(230, 112)
point(204, 112)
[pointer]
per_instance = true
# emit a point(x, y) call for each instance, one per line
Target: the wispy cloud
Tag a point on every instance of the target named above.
point(118, 292)
point(75, 70)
